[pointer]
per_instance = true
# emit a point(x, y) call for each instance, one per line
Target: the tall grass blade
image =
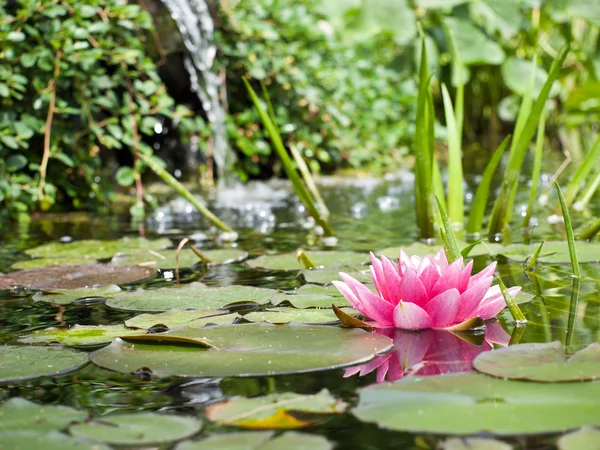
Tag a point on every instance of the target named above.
point(590, 232)
point(514, 309)
point(569, 231)
point(309, 180)
point(424, 145)
point(475, 221)
point(587, 193)
point(299, 187)
point(455, 171)
point(502, 211)
point(452, 250)
point(181, 190)
point(535, 256)
point(589, 162)
point(537, 168)
point(572, 312)
point(457, 65)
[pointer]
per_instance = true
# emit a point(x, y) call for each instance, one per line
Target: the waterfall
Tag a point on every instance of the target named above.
point(196, 26)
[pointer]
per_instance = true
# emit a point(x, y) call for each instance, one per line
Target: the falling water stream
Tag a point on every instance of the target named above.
point(196, 26)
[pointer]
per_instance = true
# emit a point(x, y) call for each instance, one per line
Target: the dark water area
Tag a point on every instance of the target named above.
point(366, 214)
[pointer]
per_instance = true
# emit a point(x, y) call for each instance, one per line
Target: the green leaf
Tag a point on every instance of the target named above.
point(166, 259)
point(30, 439)
point(289, 261)
point(125, 176)
point(586, 438)
point(79, 335)
point(96, 248)
point(258, 440)
point(287, 315)
point(15, 163)
point(67, 296)
point(516, 72)
point(179, 317)
point(20, 414)
point(473, 45)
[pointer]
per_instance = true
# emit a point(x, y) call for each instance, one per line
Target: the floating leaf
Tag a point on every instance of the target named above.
point(287, 315)
point(541, 362)
point(190, 296)
point(486, 405)
point(274, 411)
point(245, 350)
point(66, 296)
point(77, 276)
point(37, 263)
point(556, 252)
point(80, 335)
point(99, 249)
point(475, 444)
point(166, 259)
point(23, 362)
point(144, 428)
point(309, 300)
point(30, 440)
point(419, 249)
point(20, 414)
point(258, 440)
point(586, 438)
point(289, 261)
point(196, 318)
point(327, 275)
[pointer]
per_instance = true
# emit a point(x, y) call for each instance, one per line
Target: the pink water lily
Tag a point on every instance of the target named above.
point(428, 352)
point(418, 293)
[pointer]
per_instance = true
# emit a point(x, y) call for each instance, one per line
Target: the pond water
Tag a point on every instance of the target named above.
point(367, 214)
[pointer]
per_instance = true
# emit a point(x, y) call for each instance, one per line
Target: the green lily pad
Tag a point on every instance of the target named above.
point(329, 274)
point(190, 296)
point(420, 249)
point(66, 296)
point(33, 440)
point(309, 300)
point(36, 263)
point(586, 438)
point(555, 252)
point(97, 249)
point(258, 440)
point(475, 444)
point(80, 335)
point(166, 259)
point(20, 414)
point(78, 276)
point(274, 411)
point(23, 362)
point(245, 350)
point(541, 362)
point(144, 428)
point(289, 261)
point(469, 403)
point(315, 289)
point(287, 315)
point(177, 317)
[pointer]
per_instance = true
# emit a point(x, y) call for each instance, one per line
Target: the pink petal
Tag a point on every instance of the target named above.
point(429, 275)
point(412, 289)
point(449, 278)
point(443, 308)
point(495, 334)
point(487, 272)
point(369, 304)
point(411, 347)
point(410, 316)
point(377, 275)
point(403, 261)
point(473, 296)
point(465, 276)
point(392, 281)
point(441, 261)
point(395, 370)
point(492, 304)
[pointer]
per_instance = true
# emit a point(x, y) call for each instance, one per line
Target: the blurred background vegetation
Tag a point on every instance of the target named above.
point(85, 86)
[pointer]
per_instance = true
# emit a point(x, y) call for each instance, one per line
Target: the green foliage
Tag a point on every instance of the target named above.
point(75, 83)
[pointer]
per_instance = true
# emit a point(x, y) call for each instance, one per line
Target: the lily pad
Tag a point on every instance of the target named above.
point(586, 438)
point(475, 444)
point(274, 411)
point(486, 405)
point(245, 350)
point(99, 249)
point(20, 414)
point(23, 362)
point(309, 300)
point(77, 276)
point(80, 335)
point(420, 249)
point(541, 362)
point(177, 317)
point(287, 315)
point(30, 440)
point(36, 263)
point(66, 296)
point(258, 440)
point(327, 275)
point(554, 252)
point(190, 296)
point(144, 428)
point(289, 261)
point(166, 259)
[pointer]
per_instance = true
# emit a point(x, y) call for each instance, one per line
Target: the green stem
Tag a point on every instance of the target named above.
point(569, 231)
point(514, 309)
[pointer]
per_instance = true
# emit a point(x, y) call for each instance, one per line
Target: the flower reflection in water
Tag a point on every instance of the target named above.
point(430, 352)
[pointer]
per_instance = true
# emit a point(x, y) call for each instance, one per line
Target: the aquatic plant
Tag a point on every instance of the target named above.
point(419, 293)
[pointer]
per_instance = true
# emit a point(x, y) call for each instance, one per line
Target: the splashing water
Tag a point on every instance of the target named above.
point(196, 26)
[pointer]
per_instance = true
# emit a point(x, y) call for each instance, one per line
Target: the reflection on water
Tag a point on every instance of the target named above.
point(430, 352)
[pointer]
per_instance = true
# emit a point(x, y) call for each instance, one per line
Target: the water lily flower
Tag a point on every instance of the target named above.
point(418, 293)
point(428, 352)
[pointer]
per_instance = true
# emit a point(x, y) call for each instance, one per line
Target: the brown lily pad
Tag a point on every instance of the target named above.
point(76, 276)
